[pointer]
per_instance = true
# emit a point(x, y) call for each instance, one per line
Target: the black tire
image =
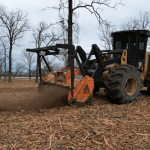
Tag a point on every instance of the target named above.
point(124, 84)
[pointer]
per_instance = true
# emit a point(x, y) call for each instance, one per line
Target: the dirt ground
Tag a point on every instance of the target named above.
point(29, 121)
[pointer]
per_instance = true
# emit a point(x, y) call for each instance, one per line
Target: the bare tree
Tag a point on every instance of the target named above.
point(139, 22)
point(76, 30)
point(1, 63)
point(3, 45)
point(14, 23)
point(44, 35)
point(63, 31)
point(29, 61)
point(63, 25)
point(19, 68)
point(105, 35)
point(94, 7)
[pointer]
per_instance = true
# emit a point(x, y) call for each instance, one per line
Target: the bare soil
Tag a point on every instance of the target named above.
point(32, 120)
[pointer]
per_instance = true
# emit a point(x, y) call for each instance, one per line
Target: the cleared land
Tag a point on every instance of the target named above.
point(25, 124)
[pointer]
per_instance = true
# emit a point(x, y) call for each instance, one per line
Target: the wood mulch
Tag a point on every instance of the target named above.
point(100, 126)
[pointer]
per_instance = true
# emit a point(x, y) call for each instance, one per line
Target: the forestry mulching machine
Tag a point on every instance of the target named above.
point(122, 71)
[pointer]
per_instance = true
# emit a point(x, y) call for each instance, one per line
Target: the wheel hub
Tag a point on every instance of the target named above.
point(130, 86)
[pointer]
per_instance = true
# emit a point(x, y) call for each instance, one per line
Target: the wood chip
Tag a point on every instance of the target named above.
point(96, 142)
point(106, 142)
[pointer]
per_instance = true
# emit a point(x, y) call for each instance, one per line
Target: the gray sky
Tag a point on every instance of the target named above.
point(89, 25)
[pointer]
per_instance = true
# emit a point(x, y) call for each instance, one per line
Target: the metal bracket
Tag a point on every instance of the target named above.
point(42, 54)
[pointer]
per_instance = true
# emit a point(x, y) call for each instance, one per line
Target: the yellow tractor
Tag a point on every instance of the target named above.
point(122, 71)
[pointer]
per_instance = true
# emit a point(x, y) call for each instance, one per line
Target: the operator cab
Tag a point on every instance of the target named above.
point(135, 42)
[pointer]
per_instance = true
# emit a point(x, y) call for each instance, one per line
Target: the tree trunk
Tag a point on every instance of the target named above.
point(69, 26)
point(5, 67)
point(37, 67)
point(1, 70)
point(10, 50)
point(29, 73)
point(37, 71)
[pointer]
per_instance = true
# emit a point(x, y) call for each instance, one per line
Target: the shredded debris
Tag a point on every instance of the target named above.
point(100, 126)
point(53, 96)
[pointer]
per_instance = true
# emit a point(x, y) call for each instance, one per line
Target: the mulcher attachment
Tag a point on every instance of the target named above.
point(82, 92)
point(83, 86)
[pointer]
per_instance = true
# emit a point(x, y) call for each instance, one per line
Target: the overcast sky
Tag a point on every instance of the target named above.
point(88, 23)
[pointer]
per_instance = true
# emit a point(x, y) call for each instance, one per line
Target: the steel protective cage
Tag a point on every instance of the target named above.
point(53, 50)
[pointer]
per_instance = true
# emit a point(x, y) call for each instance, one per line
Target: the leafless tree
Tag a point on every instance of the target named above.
point(63, 22)
point(76, 30)
point(139, 22)
point(14, 23)
point(19, 68)
point(44, 35)
point(29, 61)
point(3, 45)
point(105, 35)
point(63, 31)
point(1, 63)
point(94, 7)
point(63, 25)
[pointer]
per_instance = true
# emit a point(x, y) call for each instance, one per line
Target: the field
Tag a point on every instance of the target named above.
point(28, 120)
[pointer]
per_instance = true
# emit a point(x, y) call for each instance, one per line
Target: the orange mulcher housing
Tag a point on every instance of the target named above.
point(83, 86)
